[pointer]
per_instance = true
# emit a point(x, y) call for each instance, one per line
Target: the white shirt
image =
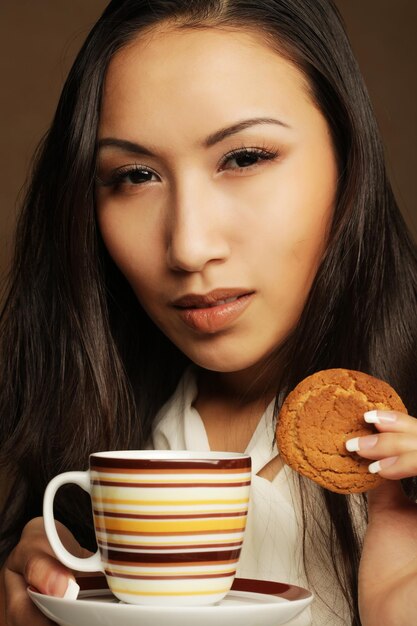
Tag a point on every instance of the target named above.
point(272, 544)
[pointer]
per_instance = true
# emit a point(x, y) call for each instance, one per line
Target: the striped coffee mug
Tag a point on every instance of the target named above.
point(169, 524)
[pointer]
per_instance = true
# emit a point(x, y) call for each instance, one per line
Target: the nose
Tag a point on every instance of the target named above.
point(197, 229)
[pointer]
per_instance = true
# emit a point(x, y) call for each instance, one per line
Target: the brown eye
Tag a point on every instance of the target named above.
point(129, 176)
point(243, 159)
point(138, 176)
point(246, 159)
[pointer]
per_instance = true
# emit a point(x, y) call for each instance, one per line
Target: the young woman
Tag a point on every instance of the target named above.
point(209, 222)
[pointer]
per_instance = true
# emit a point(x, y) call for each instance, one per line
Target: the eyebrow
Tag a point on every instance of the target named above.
point(211, 140)
point(221, 134)
point(123, 144)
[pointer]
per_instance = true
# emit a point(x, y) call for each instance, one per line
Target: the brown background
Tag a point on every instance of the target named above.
point(39, 38)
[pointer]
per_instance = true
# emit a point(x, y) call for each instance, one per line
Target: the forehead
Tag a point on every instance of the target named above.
point(206, 72)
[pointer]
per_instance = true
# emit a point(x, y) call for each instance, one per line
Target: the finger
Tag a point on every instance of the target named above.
point(34, 560)
point(392, 421)
point(19, 608)
point(382, 445)
point(395, 468)
point(47, 575)
point(40, 570)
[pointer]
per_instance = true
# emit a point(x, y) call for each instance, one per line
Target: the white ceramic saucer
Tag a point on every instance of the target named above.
point(249, 603)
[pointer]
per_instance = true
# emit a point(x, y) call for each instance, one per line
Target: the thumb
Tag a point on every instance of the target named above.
point(49, 576)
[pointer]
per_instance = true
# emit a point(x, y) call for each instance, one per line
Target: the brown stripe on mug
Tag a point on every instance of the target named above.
point(117, 531)
point(163, 577)
point(150, 485)
point(195, 558)
point(135, 470)
point(176, 464)
point(162, 517)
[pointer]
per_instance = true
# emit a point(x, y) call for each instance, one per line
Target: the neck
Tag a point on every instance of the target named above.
point(250, 386)
point(230, 415)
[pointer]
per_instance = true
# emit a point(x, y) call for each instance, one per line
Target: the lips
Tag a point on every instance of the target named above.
point(214, 311)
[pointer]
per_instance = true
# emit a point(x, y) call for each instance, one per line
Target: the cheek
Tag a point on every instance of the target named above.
point(307, 201)
point(132, 248)
point(292, 226)
point(295, 227)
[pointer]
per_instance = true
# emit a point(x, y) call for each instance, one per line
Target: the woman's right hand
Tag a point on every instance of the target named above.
point(32, 562)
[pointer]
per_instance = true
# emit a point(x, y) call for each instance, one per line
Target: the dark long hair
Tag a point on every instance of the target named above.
point(82, 366)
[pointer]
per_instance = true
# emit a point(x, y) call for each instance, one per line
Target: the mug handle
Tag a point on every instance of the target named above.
point(89, 564)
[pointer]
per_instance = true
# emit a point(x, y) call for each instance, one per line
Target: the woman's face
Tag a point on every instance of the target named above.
point(217, 180)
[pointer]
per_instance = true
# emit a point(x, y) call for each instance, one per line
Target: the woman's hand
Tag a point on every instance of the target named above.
point(32, 563)
point(393, 449)
point(388, 569)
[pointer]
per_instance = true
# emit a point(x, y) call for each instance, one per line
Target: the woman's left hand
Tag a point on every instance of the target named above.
point(388, 568)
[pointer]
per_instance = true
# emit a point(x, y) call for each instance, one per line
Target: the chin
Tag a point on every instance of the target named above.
point(223, 362)
point(230, 353)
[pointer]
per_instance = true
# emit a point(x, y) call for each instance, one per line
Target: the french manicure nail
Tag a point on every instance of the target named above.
point(352, 445)
point(377, 466)
point(72, 590)
point(361, 443)
point(377, 416)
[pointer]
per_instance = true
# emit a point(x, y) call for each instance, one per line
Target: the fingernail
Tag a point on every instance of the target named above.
point(377, 416)
point(361, 443)
point(377, 466)
point(72, 590)
point(57, 584)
